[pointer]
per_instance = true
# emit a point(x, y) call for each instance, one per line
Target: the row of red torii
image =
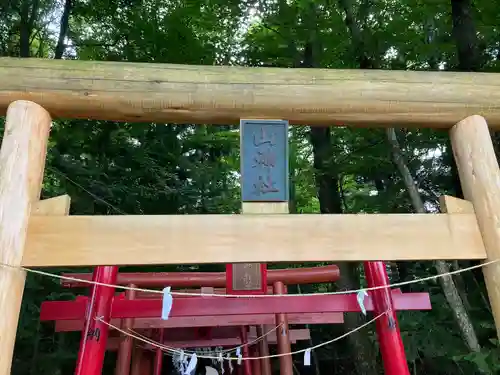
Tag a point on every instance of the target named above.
point(199, 321)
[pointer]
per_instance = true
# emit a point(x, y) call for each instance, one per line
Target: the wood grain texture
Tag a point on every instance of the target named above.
point(480, 179)
point(213, 321)
point(256, 208)
point(139, 92)
point(197, 239)
point(296, 335)
point(52, 206)
point(249, 208)
point(22, 162)
point(239, 272)
point(454, 205)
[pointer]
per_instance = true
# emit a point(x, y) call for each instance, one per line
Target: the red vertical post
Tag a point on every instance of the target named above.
point(389, 336)
point(95, 333)
point(256, 369)
point(124, 357)
point(265, 363)
point(159, 356)
point(247, 367)
point(146, 363)
point(137, 361)
point(283, 335)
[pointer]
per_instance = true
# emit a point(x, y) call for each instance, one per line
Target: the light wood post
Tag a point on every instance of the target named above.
point(480, 180)
point(265, 190)
point(22, 162)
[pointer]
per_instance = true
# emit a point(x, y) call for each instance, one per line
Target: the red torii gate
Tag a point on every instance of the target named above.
point(143, 310)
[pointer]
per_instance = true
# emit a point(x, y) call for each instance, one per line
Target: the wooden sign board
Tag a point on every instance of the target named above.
point(264, 160)
point(246, 278)
point(264, 178)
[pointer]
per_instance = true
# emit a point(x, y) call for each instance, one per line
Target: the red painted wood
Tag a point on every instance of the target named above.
point(93, 342)
point(255, 363)
point(137, 360)
point(196, 292)
point(124, 357)
point(228, 342)
point(158, 364)
point(245, 350)
point(215, 279)
point(203, 306)
point(283, 336)
point(213, 321)
point(391, 345)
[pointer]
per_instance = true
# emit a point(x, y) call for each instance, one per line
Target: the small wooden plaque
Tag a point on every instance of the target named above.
point(264, 160)
point(246, 278)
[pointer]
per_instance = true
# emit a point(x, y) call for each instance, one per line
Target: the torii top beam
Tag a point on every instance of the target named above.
point(311, 275)
point(140, 92)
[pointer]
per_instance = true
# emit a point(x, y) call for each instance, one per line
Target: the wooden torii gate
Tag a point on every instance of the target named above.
point(187, 94)
point(264, 171)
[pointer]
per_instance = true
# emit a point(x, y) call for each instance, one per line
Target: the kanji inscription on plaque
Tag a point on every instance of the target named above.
point(264, 160)
point(247, 276)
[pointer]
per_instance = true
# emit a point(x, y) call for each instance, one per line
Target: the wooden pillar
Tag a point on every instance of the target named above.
point(283, 335)
point(265, 363)
point(138, 359)
point(480, 180)
point(147, 363)
point(245, 351)
point(22, 162)
point(255, 352)
point(158, 362)
point(265, 189)
point(124, 357)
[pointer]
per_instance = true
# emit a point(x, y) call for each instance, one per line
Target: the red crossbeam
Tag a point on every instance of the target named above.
point(295, 335)
point(213, 321)
point(228, 336)
point(216, 306)
point(310, 275)
point(189, 292)
point(208, 333)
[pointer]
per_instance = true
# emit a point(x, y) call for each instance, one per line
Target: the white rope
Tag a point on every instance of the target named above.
point(226, 351)
point(176, 351)
point(123, 287)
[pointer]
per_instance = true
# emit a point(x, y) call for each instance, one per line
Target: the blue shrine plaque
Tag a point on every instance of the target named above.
point(264, 160)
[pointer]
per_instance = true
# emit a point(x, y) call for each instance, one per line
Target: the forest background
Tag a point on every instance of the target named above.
point(123, 168)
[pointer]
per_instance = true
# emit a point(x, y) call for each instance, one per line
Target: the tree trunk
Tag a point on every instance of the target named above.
point(63, 30)
point(330, 201)
point(450, 291)
point(327, 182)
point(464, 33)
point(465, 36)
point(24, 30)
point(28, 14)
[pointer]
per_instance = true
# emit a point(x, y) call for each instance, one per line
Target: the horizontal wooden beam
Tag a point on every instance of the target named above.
point(213, 306)
point(308, 275)
point(139, 92)
point(193, 333)
point(295, 335)
point(198, 239)
point(212, 321)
